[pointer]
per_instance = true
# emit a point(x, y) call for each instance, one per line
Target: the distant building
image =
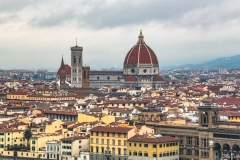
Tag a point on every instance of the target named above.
point(222, 70)
point(140, 69)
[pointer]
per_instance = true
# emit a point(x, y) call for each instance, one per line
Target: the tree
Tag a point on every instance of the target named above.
point(27, 135)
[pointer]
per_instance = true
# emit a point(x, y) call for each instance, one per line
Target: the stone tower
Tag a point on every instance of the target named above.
point(76, 66)
point(208, 116)
point(62, 76)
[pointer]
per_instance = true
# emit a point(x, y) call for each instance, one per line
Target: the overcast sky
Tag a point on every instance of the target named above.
point(35, 34)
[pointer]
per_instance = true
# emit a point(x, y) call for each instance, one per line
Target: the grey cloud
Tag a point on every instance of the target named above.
point(7, 18)
point(53, 20)
point(121, 13)
point(16, 5)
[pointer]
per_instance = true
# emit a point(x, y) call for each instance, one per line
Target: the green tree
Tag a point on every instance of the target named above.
point(27, 135)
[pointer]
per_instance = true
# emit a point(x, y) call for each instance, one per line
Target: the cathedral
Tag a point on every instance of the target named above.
point(140, 69)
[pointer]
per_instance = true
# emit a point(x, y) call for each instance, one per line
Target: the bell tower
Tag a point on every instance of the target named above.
point(208, 116)
point(76, 66)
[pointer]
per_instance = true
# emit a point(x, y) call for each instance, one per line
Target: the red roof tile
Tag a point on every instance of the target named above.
point(111, 129)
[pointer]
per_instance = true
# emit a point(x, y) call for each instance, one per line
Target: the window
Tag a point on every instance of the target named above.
point(125, 135)
point(119, 134)
point(154, 146)
point(91, 140)
point(96, 140)
point(130, 144)
point(181, 139)
point(205, 154)
point(189, 152)
point(189, 140)
point(139, 153)
point(119, 142)
point(160, 145)
point(154, 154)
point(102, 141)
point(113, 142)
point(33, 142)
point(145, 154)
point(205, 143)
point(125, 151)
point(140, 145)
point(102, 133)
point(135, 144)
point(180, 150)
point(113, 134)
point(145, 145)
point(119, 151)
point(130, 153)
point(196, 141)
point(135, 153)
point(125, 143)
point(196, 152)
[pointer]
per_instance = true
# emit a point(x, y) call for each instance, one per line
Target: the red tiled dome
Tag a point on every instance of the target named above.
point(67, 70)
point(157, 78)
point(141, 53)
point(131, 78)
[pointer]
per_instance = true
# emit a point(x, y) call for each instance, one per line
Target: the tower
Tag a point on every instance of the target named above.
point(208, 116)
point(62, 76)
point(76, 66)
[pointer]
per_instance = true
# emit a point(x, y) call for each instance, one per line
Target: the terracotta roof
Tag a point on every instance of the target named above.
point(158, 78)
point(61, 112)
point(111, 129)
point(67, 70)
point(145, 138)
point(131, 78)
point(73, 138)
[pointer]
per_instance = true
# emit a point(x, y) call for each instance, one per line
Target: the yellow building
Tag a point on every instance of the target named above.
point(86, 118)
point(104, 139)
point(54, 126)
point(234, 117)
point(150, 147)
point(11, 138)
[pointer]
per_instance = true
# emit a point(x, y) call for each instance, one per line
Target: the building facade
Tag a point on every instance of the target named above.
point(152, 147)
point(140, 69)
point(210, 139)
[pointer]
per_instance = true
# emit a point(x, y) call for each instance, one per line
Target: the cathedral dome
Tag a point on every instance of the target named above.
point(140, 54)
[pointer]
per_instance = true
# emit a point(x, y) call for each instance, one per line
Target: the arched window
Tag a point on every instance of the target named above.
point(113, 151)
point(140, 153)
point(214, 117)
point(74, 59)
point(135, 153)
point(204, 118)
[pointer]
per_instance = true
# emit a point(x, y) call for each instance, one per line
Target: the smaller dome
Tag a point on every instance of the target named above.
point(131, 78)
point(157, 78)
point(67, 70)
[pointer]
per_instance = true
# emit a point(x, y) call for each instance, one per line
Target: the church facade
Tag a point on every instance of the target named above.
point(140, 69)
